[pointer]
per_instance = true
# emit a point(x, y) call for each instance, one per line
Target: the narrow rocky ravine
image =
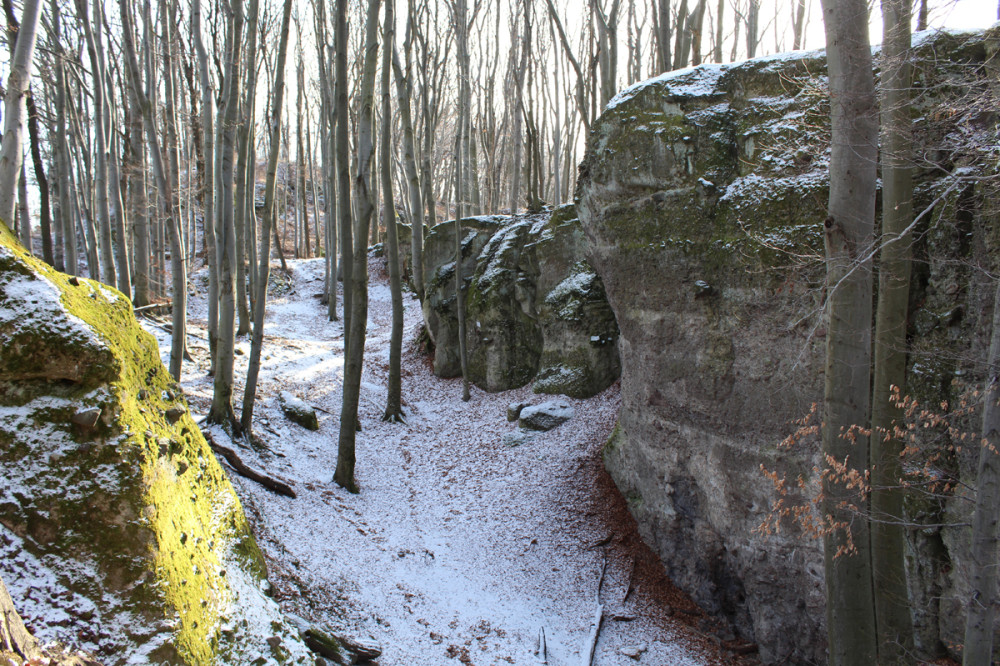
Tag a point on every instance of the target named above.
point(459, 546)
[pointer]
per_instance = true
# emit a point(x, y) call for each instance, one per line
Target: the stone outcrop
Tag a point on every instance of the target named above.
point(702, 196)
point(535, 308)
point(119, 534)
point(298, 410)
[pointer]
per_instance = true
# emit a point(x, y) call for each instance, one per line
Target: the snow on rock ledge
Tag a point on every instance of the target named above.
point(120, 535)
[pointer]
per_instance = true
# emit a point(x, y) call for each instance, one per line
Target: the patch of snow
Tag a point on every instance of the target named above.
point(456, 541)
point(699, 81)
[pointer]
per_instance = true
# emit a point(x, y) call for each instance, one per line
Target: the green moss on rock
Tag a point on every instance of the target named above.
point(134, 517)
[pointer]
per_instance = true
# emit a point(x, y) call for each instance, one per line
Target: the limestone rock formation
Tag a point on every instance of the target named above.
point(702, 196)
point(122, 533)
point(535, 308)
point(298, 410)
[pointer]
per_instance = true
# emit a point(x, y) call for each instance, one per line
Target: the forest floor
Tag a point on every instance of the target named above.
point(458, 548)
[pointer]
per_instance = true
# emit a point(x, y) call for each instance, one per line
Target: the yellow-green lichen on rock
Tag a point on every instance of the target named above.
point(119, 530)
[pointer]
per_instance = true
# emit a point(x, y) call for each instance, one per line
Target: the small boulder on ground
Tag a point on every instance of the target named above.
point(298, 411)
point(514, 410)
point(546, 416)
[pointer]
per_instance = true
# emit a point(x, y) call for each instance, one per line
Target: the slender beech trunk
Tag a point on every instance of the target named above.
point(165, 186)
point(978, 647)
point(11, 155)
point(892, 608)
point(464, 94)
point(245, 171)
point(99, 95)
point(225, 231)
point(403, 94)
point(70, 252)
point(393, 403)
point(208, 194)
point(342, 153)
point(264, 271)
point(849, 237)
point(136, 174)
point(23, 211)
point(344, 474)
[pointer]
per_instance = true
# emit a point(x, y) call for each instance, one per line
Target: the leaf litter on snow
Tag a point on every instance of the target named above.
point(458, 547)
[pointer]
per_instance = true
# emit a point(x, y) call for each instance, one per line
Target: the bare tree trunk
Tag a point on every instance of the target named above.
point(245, 170)
point(892, 608)
point(798, 24)
point(849, 237)
point(393, 403)
point(23, 212)
point(165, 186)
point(260, 304)
point(753, 16)
point(208, 181)
point(404, 93)
point(978, 647)
point(342, 153)
point(719, 12)
point(100, 140)
point(11, 156)
point(225, 233)
point(353, 365)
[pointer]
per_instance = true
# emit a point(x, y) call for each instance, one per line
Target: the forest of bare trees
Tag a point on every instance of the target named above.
point(166, 136)
point(163, 137)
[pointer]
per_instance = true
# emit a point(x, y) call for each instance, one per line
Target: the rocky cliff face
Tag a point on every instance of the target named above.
point(702, 197)
point(535, 308)
point(119, 531)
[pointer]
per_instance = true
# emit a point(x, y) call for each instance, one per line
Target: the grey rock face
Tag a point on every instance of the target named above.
point(298, 411)
point(535, 307)
point(546, 416)
point(702, 197)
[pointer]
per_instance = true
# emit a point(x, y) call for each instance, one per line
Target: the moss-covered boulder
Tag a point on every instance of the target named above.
point(702, 196)
point(535, 309)
point(119, 534)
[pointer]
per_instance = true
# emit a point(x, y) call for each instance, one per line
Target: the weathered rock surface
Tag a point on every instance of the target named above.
point(298, 411)
point(702, 196)
point(546, 416)
point(535, 308)
point(125, 537)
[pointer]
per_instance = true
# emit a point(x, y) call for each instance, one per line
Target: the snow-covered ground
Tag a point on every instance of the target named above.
point(458, 547)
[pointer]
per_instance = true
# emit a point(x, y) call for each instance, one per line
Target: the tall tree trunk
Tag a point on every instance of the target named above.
point(393, 403)
point(165, 186)
point(978, 647)
point(23, 211)
point(848, 237)
point(136, 174)
point(798, 24)
point(404, 93)
point(464, 95)
point(342, 153)
point(344, 474)
point(61, 150)
point(225, 233)
point(719, 12)
point(892, 610)
point(260, 304)
point(100, 139)
point(245, 171)
point(11, 155)
point(208, 180)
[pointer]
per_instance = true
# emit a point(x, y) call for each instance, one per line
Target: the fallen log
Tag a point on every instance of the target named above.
point(272, 484)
